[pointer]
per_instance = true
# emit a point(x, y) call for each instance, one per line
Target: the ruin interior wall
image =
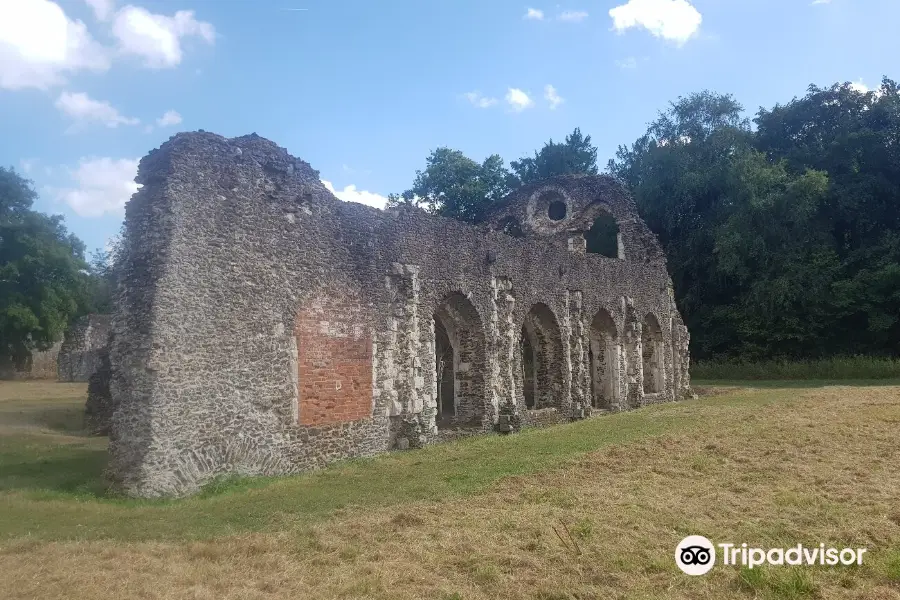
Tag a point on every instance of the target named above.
point(81, 349)
point(265, 327)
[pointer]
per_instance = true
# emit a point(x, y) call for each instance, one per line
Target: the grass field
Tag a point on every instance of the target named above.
point(482, 518)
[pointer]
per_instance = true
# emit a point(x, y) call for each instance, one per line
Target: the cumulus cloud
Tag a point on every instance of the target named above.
point(351, 194)
point(170, 117)
point(518, 100)
point(573, 16)
point(103, 9)
point(157, 38)
point(859, 86)
point(552, 97)
point(476, 99)
point(84, 110)
point(100, 186)
point(674, 20)
point(534, 14)
point(39, 45)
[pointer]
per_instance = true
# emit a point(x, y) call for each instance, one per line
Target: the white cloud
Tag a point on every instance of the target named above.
point(675, 20)
point(39, 44)
point(552, 96)
point(351, 194)
point(534, 14)
point(85, 110)
point(27, 165)
point(573, 16)
point(518, 100)
point(103, 9)
point(814, 2)
point(157, 38)
point(476, 99)
point(859, 86)
point(169, 118)
point(100, 186)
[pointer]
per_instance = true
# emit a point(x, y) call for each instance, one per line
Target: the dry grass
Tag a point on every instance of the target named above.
point(766, 467)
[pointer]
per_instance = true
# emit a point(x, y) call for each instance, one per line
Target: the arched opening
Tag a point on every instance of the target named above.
point(541, 348)
point(604, 353)
point(603, 236)
point(652, 352)
point(459, 362)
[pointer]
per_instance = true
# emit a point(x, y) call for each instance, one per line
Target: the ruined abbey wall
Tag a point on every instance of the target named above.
point(81, 350)
point(265, 327)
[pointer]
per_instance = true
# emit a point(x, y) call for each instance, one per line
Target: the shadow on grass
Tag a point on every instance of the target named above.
point(54, 470)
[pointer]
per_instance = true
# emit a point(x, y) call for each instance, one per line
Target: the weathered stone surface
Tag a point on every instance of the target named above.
point(80, 353)
point(40, 364)
point(265, 327)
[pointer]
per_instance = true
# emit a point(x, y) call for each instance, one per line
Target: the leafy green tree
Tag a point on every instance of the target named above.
point(680, 172)
point(854, 136)
point(44, 281)
point(574, 156)
point(454, 185)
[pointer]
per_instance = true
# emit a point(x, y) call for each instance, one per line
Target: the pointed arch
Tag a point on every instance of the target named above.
point(542, 358)
point(653, 354)
point(459, 362)
point(604, 352)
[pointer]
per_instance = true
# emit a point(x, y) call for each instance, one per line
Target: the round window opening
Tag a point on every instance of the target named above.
point(557, 210)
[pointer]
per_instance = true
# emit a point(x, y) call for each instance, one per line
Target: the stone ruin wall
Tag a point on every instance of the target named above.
point(80, 354)
point(40, 364)
point(265, 327)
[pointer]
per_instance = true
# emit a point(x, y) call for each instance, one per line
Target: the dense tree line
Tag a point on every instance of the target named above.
point(45, 279)
point(782, 233)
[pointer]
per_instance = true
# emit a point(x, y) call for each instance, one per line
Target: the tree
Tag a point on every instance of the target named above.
point(456, 186)
point(574, 156)
point(854, 136)
point(680, 174)
point(44, 281)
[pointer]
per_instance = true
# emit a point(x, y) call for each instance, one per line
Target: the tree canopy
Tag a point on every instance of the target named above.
point(782, 234)
point(44, 279)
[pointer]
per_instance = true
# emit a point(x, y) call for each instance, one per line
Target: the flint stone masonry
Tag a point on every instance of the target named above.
point(39, 364)
point(80, 353)
point(265, 327)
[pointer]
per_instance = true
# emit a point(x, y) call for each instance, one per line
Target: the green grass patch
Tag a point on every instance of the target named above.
point(51, 484)
point(831, 369)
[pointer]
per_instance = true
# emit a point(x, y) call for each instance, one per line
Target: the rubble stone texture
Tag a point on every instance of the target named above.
point(80, 353)
point(265, 327)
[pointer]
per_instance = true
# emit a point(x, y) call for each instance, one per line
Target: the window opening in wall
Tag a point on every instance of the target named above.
point(603, 236)
point(557, 210)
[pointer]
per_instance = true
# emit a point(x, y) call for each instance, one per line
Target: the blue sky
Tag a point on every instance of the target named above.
point(364, 89)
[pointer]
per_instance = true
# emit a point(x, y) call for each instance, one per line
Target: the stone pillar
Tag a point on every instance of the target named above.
point(411, 408)
point(578, 355)
point(502, 357)
point(634, 359)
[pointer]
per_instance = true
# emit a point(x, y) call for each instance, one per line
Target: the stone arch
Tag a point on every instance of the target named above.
point(653, 354)
point(541, 358)
point(460, 362)
point(604, 352)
